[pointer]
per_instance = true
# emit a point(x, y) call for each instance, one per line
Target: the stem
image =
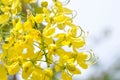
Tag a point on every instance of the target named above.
point(14, 77)
point(43, 48)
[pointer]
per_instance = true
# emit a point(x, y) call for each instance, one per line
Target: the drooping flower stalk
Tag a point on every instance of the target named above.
point(32, 34)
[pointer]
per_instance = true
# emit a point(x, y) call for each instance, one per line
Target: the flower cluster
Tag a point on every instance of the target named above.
point(32, 34)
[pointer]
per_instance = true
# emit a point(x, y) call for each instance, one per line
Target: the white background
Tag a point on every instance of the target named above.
point(101, 18)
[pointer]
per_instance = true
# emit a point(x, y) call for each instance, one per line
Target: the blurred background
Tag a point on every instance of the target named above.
point(101, 19)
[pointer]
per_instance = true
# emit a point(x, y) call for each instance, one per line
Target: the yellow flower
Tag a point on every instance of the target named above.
point(19, 26)
point(65, 57)
point(58, 5)
point(18, 47)
point(11, 53)
point(27, 69)
point(8, 43)
point(67, 39)
point(59, 67)
point(36, 35)
point(52, 48)
point(48, 73)
point(37, 74)
point(47, 32)
point(3, 73)
point(5, 9)
point(28, 25)
point(66, 76)
point(77, 42)
point(73, 31)
point(39, 18)
point(29, 1)
point(61, 26)
point(13, 68)
point(47, 14)
point(16, 7)
point(61, 9)
point(72, 68)
point(67, 11)
point(29, 39)
point(44, 4)
point(63, 39)
point(61, 19)
point(6, 2)
point(28, 51)
point(81, 57)
point(4, 18)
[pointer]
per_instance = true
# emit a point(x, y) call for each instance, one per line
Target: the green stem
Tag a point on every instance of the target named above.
point(43, 48)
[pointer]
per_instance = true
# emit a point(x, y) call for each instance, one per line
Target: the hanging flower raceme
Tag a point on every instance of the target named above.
point(32, 35)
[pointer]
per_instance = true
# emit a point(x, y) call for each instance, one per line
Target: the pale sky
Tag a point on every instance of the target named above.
point(99, 17)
